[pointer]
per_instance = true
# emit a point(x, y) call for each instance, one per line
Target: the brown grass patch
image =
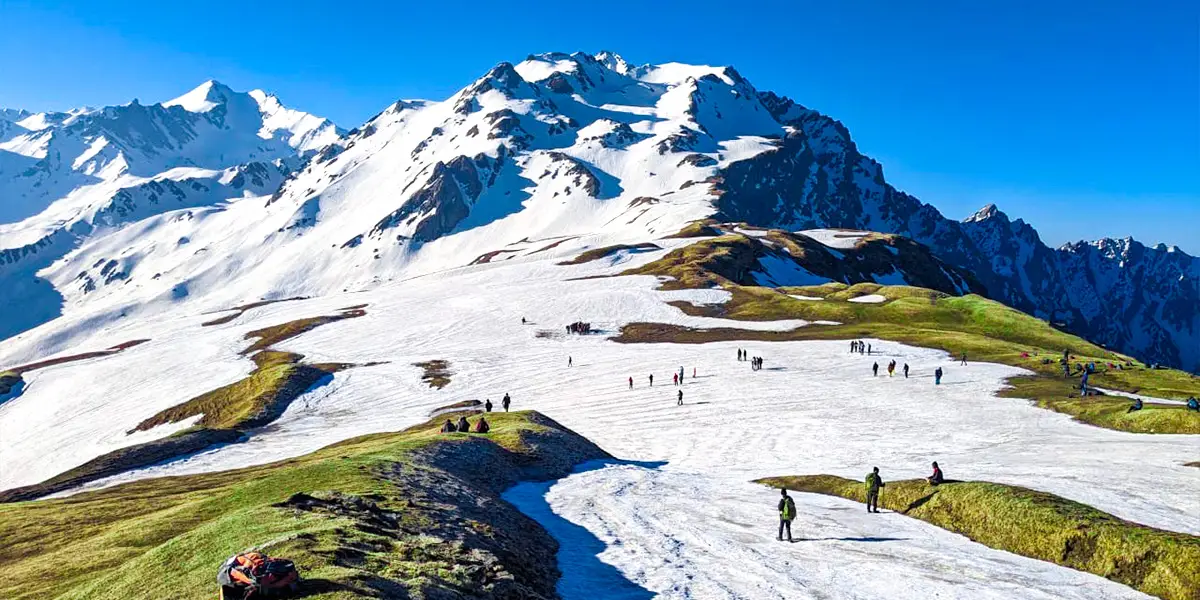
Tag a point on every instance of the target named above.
point(437, 373)
point(269, 336)
point(74, 357)
point(599, 253)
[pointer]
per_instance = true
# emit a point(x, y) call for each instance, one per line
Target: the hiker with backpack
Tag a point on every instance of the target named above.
point(253, 574)
point(874, 482)
point(787, 512)
point(506, 401)
point(891, 368)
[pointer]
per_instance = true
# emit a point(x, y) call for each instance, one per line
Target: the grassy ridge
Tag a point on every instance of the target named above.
point(414, 512)
point(599, 253)
point(1037, 525)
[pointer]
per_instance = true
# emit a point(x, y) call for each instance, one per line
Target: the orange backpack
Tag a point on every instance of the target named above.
point(253, 574)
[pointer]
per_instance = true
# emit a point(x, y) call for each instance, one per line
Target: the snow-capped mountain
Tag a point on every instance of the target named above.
point(70, 177)
point(137, 209)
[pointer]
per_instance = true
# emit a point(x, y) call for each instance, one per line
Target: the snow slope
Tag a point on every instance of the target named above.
point(814, 408)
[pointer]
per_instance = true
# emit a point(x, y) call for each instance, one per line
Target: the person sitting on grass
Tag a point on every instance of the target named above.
point(1193, 404)
point(1137, 405)
point(481, 426)
point(449, 427)
point(937, 478)
point(464, 426)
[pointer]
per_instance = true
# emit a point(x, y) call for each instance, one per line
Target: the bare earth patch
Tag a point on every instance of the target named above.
point(437, 373)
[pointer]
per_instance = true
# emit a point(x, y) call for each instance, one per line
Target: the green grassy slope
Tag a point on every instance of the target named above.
point(415, 511)
point(1038, 525)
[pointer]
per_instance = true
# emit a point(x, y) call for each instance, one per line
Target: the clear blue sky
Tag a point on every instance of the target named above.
point(1083, 118)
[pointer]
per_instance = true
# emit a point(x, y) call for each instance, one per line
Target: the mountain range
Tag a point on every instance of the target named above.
point(219, 197)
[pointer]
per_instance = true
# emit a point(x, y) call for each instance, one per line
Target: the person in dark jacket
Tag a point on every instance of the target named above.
point(631, 383)
point(652, 380)
point(1137, 405)
point(464, 426)
point(487, 405)
point(906, 370)
point(937, 376)
point(787, 512)
point(964, 359)
point(1193, 404)
point(874, 482)
point(506, 401)
point(875, 369)
point(481, 426)
point(449, 427)
point(680, 402)
point(937, 478)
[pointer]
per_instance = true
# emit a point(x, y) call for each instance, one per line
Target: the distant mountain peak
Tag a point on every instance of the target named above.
point(987, 212)
point(203, 97)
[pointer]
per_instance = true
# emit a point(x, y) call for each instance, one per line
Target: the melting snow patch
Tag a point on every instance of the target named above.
point(835, 238)
point(869, 299)
point(800, 297)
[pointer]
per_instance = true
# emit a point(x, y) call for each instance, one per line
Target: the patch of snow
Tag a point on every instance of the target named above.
point(869, 299)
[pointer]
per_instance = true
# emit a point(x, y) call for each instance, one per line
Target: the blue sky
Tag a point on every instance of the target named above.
point(1082, 118)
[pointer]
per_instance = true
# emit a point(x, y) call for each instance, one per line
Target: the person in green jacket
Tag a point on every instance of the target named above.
point(874, 482)
point(787, 512)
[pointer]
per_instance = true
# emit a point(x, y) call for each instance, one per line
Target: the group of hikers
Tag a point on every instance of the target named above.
point(891, 368)
point(860, 347)
point(874, 483)
point(480, 426)
point(578, 327)
point(756, 362)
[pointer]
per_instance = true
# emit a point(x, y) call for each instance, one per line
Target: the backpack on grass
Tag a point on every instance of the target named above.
point(256, 575)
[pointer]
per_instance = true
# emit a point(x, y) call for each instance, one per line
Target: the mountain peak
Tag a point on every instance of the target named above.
point(987, 212)
point(203, 97)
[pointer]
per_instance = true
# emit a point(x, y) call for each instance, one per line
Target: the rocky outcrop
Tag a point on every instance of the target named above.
point(444, 200)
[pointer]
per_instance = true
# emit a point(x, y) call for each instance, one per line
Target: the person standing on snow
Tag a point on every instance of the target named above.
point(680, 401)
point(891, 368)
point(506, 401)
point(631, 383)
point(787, 512)
point(964, 359)
point(906, 370)
point(874, 482)
point(652, 380)
point(693, 372)
point(675, 378)
point(570, 361)
point(868, 348)
point(875, 369)
point(487, 405)
point(937, 376)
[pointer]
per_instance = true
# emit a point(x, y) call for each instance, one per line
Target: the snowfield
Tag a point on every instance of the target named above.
point(684, 521)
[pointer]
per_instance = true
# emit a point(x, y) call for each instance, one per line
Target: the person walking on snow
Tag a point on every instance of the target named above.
point(891, 368)
point(680, 400)
point(937, 376)
point(693, 372)
point(675, 378)
point(506, 401)
point(868, 348)
point(570, 361)
point(652, 380)
point(906, 370)
point(875, 370)
point(964, 359)
point(787, 512)
point(874, 482)
point(631, 383)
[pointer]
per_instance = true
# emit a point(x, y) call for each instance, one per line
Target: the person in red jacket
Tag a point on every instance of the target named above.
point(937, 478)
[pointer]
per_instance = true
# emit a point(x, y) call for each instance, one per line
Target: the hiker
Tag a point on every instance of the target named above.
point(964, 359)
point(675, 378)
point(868, 348)
point(874, 482)
point(522, 320)
point(1193, 404)
point(631, 383)
point(1083, 381)
point(464, 426)
point(693, 372)
point(860, 347)
point(570, 361)
point(853, 349)
point(506, 401)
point(680, 374)
point(652, 380)
point(449, 427)
point(875, 369)
point(1137, 405)
point(680, 401)
point(787, 512)
point(936, 478)
point(481, 426)
point(254, 575)
point(891, 368)
point(937, 376)
point(906, 370)
point(487, 405)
